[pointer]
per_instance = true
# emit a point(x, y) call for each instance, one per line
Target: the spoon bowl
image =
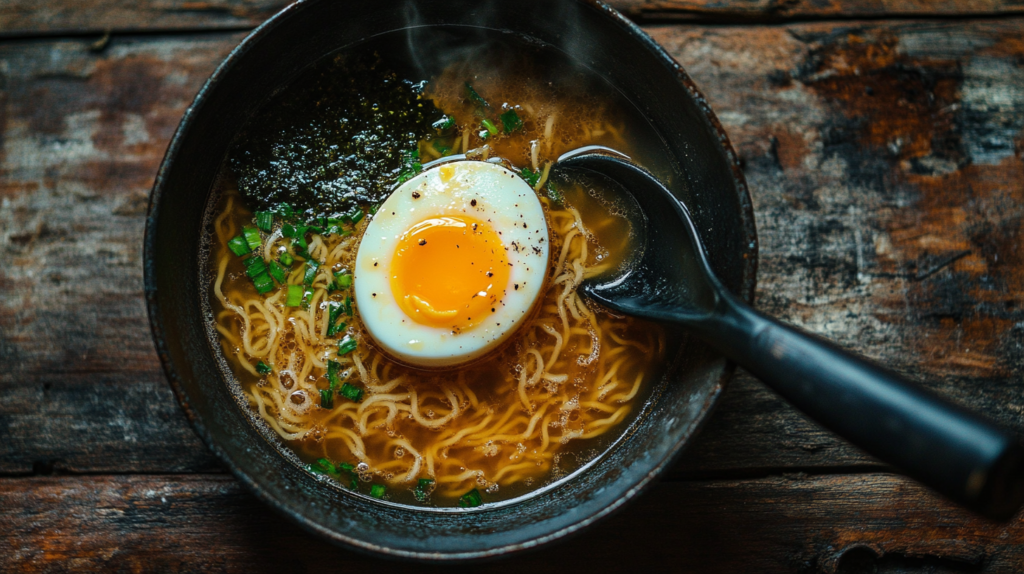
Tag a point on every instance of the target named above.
point(956, 452)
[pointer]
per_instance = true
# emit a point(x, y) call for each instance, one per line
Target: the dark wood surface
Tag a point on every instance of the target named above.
point(883, 144)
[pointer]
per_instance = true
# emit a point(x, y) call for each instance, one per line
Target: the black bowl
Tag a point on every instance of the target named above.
point(595, 37)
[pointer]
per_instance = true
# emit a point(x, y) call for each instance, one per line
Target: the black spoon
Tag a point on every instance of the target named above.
point(948, 448)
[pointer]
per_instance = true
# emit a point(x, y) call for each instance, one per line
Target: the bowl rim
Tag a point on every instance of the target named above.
point(746, 292)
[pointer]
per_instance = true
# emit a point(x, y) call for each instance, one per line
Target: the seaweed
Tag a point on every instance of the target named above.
point(338, 136)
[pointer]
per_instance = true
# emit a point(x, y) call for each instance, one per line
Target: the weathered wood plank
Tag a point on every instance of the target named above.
point(884, 160)
point(783, 10)
point(203, 523)
point(51, 17)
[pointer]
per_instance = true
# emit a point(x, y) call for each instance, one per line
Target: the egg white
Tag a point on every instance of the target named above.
point(505, 202)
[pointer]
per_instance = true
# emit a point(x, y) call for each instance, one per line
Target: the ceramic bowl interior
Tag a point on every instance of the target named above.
point(707, 179)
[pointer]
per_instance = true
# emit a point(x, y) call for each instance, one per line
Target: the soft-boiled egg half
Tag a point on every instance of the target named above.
point(451, 264)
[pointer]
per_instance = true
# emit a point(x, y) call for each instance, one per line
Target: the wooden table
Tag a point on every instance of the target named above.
point(882, 141)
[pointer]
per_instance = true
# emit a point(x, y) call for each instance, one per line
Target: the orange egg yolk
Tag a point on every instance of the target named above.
point(449, 272)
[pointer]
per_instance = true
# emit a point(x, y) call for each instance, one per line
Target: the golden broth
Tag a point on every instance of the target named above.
point(571, 377)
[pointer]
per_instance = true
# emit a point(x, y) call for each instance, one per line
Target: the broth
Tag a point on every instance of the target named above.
point(552, 399)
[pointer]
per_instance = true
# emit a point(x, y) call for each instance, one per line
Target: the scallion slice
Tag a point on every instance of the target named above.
point(531, 177)
point(445, 123)
point(471, 499)
point(410, 167)
point(255, 267)
point(348, 305)
point(263, 283)
point(351, 392)
point(287, 259)
point(326, 399)
point(285, 211)
point(252, 237)
point(239, 246)
point(263, 368)
point(347, 345)
point(323, 466)
point(511, 121)
point(358, 214)
point(378, 490)
point(277, 272)
point(422, 490)
point(289, 230)
point(334, 326)
point(295, 293)
point(342, 280)
point(350, 469)
point(334, 374)
point(311, 268)
point(489, 125)
point(265, 220)
point(475, 97)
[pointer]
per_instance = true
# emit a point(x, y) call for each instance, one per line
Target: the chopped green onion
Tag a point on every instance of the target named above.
point(252, 237)
point(445, 123)
point(334, 313)
point(350, 470)
point(351, 392)
point(373, 210)
point(285, 211)
point(312, 266)
point(338, 230)
point(358, 214)
point(410, 167)
point(348, 305)
point(333, 376)
point(276, 271)
point(289, 230)
point(312, 229)
point(491, 128)
point(531, 177)
point(239, 246)
point(306, 296)
point(294, 296)
point(475, 97)
point(300, 240)
point(265, 220)
point(423, 489)
point(323, 466)
point(342, 280)
point(510, 121)
point(442, 145)
point(263, 283)
point(554, 194)
point(336, 328)
point(263, 368)
point(326, 399)
point(347, 345)
point(378, 490)
point(286, 259)
point(484, 134)
point(254, 267)
point(471, 499)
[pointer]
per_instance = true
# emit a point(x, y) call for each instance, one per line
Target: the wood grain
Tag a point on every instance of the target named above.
point(56, 17)
point(884, 160)
point(203, 523)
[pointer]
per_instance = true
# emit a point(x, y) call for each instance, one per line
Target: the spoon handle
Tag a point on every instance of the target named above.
point(948, 448)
